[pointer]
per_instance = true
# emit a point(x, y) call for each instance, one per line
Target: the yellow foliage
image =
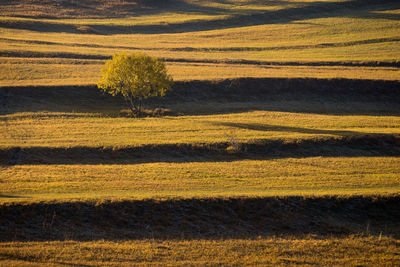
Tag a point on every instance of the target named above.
point(135, 77)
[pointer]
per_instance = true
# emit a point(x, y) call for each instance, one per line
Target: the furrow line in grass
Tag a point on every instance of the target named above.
point(80, 44)
point(322, 45)
point(346, 146)
point(34, 54)
point(290, 63)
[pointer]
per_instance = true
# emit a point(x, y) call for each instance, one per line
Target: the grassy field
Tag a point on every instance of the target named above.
point(43, 71)
point(353, 250)
point(335, 144)
point(314, 176)
point(62, 130)
point(206, 35)
point(279, 144)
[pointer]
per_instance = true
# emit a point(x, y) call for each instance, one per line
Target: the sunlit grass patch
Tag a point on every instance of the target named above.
point(83, 72)
point(72, 167)
point(86, 130)
point(351, 250)
point(273, 177)
point(348, 35)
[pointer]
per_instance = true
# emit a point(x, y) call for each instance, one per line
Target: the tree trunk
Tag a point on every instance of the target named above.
point(131, 105)
point(140, 108)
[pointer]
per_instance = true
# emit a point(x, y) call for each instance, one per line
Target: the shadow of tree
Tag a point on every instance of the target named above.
point(280, 128)
point(322, 96)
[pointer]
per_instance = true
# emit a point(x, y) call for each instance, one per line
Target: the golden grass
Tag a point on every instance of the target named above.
point(80, 72)
point(61, 130)
point(274, 177)
point(114, 9)
point(151, 19)
point(365, 36)
point(101, 9)
point(361, 36)
point(199, 71)
point(332, 251)
point(297, 43)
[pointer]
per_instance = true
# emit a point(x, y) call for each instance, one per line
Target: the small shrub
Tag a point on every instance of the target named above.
point(234, 144)
point(85, 29)
point(157, 112)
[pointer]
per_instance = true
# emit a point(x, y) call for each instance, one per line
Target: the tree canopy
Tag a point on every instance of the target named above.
point(135, 77)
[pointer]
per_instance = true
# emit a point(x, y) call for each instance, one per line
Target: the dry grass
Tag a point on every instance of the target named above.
point(80, 72)
point(62, 130)
point(62, 43)
point(347, 35)
point(351, 250)
point(274, 177)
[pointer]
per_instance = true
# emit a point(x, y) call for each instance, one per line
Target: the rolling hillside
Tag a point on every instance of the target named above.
point(278, 145)
point(66, 42)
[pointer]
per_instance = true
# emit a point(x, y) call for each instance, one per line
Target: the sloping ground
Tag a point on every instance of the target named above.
point(235, 18)
point(304, 91)
point(200, 218)
point(337, 137)
point(51, 42)
point(215, 189)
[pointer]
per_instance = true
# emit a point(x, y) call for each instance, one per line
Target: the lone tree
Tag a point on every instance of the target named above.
point(135, 77)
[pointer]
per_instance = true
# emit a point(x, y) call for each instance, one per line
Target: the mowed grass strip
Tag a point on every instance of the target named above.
point(274, 177)
point(348, 250)
point(63, 130)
